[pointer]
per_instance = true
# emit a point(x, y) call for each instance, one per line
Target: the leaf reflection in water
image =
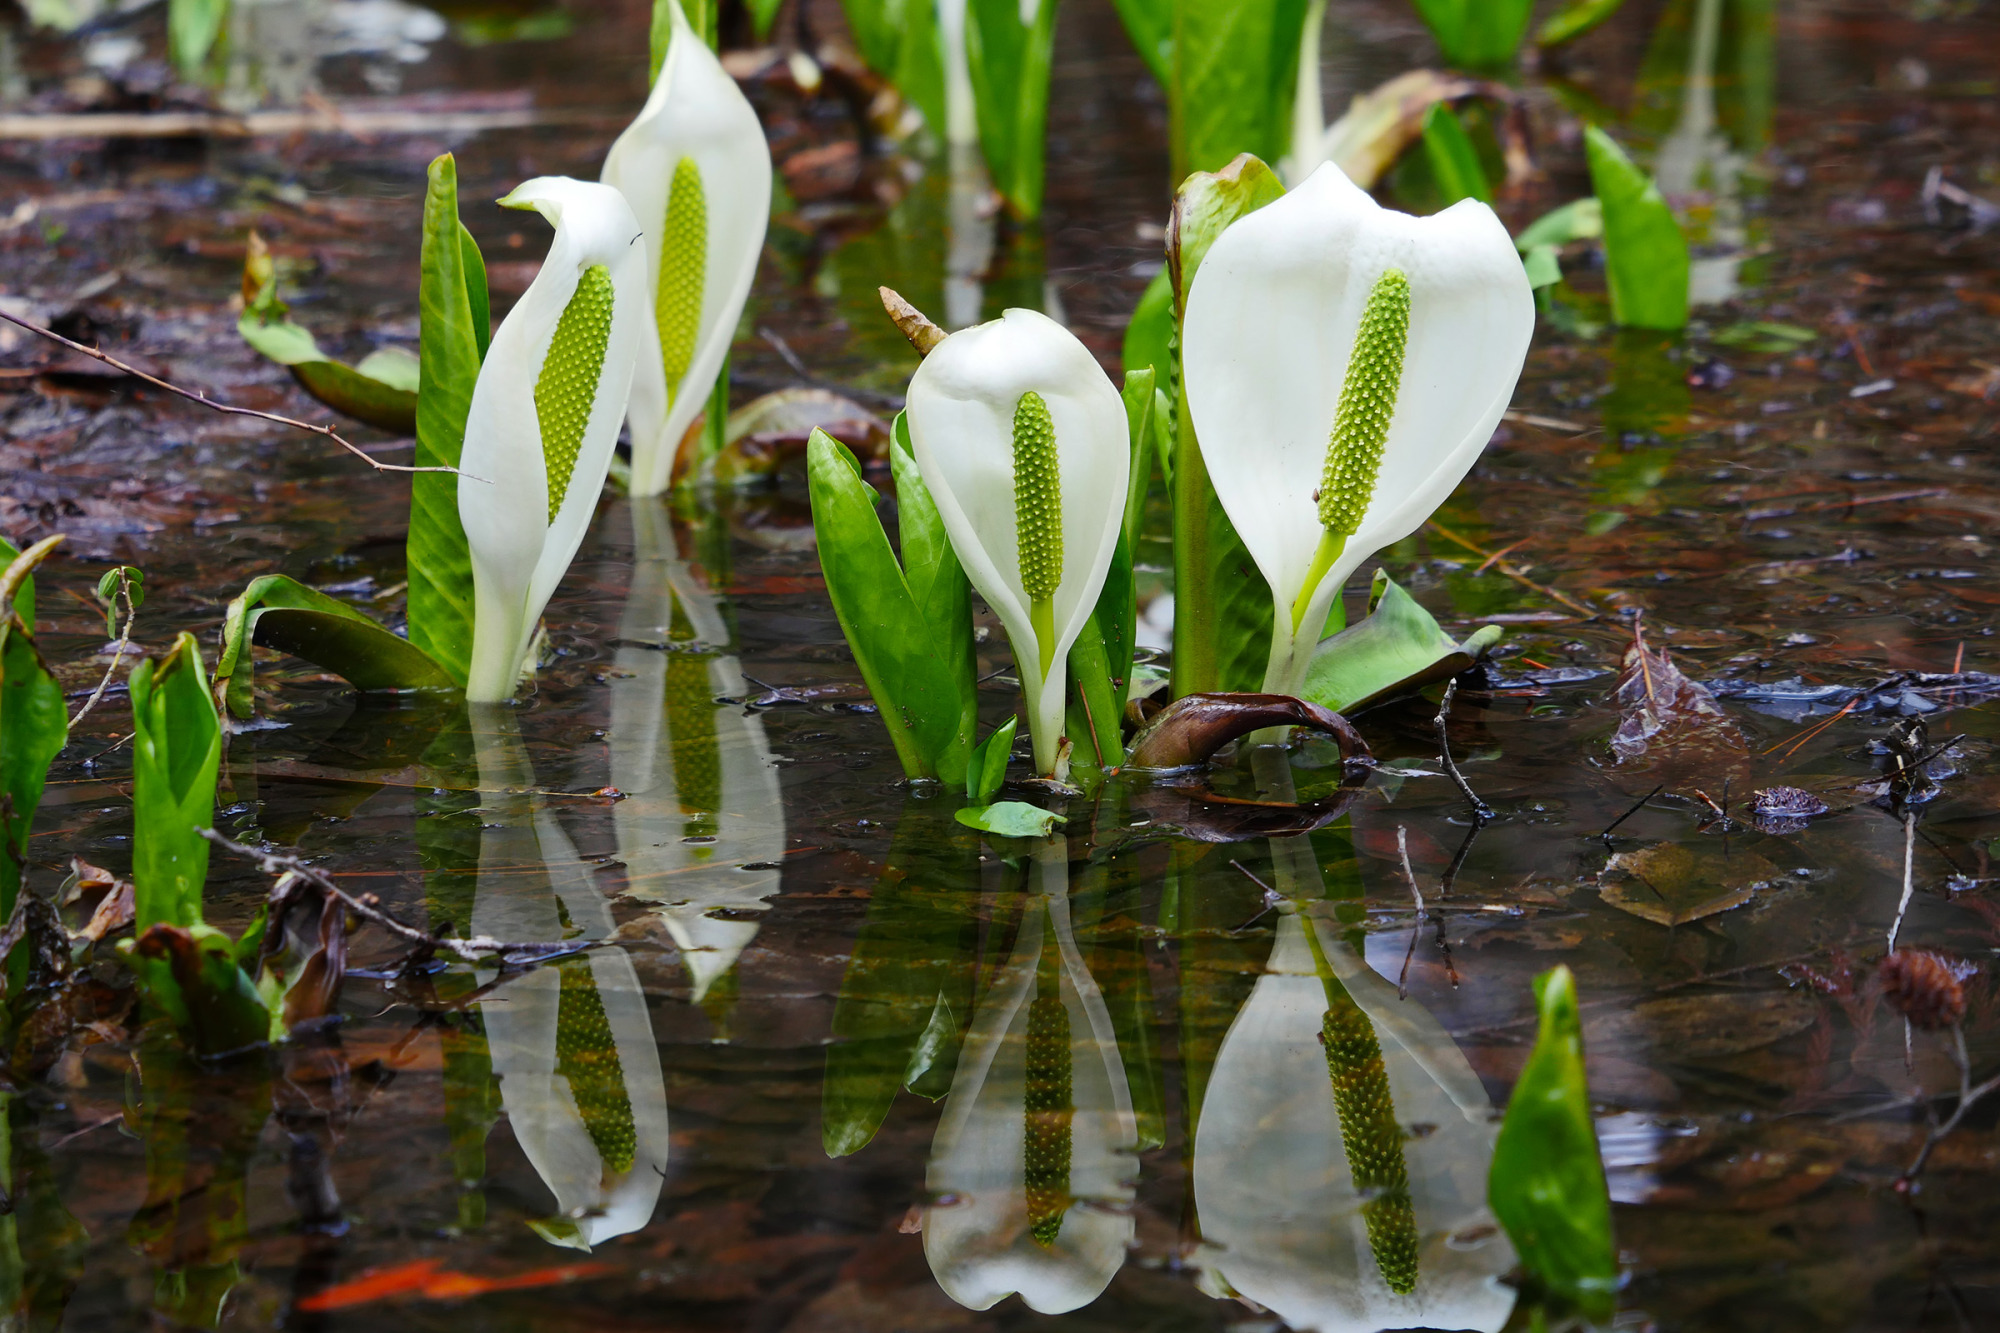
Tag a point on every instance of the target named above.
point(572, 1044)
point(1002, 1221)
point(702, 825)
point(1283, 1221)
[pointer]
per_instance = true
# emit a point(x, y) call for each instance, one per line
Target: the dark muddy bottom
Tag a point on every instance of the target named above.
point(1807, 526)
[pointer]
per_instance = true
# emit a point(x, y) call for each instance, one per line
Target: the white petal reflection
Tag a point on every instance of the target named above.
point(572, 1043)
point(701, 829)
point(1281, 1218)
point(979, 1233)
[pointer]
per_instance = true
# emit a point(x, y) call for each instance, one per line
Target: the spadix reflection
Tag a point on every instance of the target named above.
point(702, 825)
point(571, 1042)
point(1032, 1169)
point(1341, 1156)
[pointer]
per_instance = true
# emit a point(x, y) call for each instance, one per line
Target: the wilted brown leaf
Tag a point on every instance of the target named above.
point(1671, 884)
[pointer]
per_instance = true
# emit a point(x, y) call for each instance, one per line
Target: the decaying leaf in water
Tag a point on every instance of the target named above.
point(1201, 816)
point(1672, 884)
point(1673, 723)
point(763, 433)
point(1703, 1027)
point(1191, 729)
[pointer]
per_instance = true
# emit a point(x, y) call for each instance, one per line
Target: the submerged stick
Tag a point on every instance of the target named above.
point(1481, 812)
point(1403, 850)
point(1909, 879)
point(227, 409)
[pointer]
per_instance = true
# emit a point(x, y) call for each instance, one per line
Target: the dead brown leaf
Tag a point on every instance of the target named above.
point(1672, 884)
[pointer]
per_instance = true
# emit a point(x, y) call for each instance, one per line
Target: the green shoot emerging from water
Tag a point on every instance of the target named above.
point(1038, 516)
point(567, 388)
point(683, 272)
point(1360, 425)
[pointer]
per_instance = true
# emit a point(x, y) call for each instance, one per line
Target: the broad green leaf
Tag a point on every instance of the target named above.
point(1150, 332)
point(1010, 61)
point(1096, 690)
point(192, 27)
point(452, 301)
point(1142, 420)
point(280, 612)
point(762, 14)
point(1573, 20)
point(1544, 266)
point(1477, 34)
point(1577, 220)
point(34, 725)
point(987, 771)
point(1235, 68)
point(1150, 25)
point(1547, 1183)
point(1222, 604)
point(1454, 162)
point(191, 974)
point(1398, 647)
point(176, 748)
point(1645, 252)
point(1010, 819)
point(930, 566)
point(899, 40)
point(381, 391)
point(924, 702)
point(907, 994)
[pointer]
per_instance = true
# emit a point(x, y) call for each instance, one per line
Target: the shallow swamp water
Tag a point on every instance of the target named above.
point(1807, 525)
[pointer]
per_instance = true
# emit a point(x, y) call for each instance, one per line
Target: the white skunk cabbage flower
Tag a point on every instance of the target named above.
point(572, 1042)
point(698, 174)
point(1344, 366)
point(544, 419)
point(1341, 1157)
point(703, 804)
point(1022, 440)
point(1033, 1166)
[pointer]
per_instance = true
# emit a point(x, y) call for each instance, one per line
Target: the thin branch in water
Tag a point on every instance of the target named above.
point(328, 432)
point(1633, 811)
point(1403, 850)
point(1450, 879)
point(1481, 812)
point(1968, 1097)
point(1909, 879)
point(117, 656)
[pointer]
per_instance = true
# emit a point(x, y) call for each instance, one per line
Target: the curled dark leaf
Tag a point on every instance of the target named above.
point(1191, 729)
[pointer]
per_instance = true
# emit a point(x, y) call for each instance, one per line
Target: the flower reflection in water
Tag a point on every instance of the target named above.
point(572, 1043)
point(1341, 1156)
point(1032, 1170)
point(701, 828)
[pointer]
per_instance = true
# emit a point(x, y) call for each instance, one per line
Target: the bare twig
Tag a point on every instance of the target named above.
point(1633, 811)
point(1909, 880)
point(1403, 850)
point(118, 654)
point(1968, 1097)
point(476, 949)
point(327, 431)
point(1481, 812)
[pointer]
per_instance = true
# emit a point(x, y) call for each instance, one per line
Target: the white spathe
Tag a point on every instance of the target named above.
point(1280, 1216)
point(518, 553)
point(1271, 322)
point(701, 846)
point(961, 415)
point(976, 1234)
point(695, 111)
point(527, 868)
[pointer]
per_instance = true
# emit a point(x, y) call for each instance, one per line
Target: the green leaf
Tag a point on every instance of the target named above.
point(1645, 253)
point(191, 973)
point(176, 749)
point(1577, 220)
point(34, 725)
point(1234, 73)
point(1149, 333)
point(762, 14)
point(1010, 819)
point(1096, 692)
point(1142, 399)
point(1150, 25)
point(24, 595)
point(1763, 336)
point(1477, 34)
point(1010, 63)
point(701, 16)
point(899, 40)
point(1398, 647)
point(1222, 604)
point(987, 771)
point(925, 700)
point(381, 391)
point(907, 994)
point(452, 300)
point(1573, 20)
point(192, 27)
point(280, 612)
point(936, 580)
point(1547, 1183)
point(1454, 162)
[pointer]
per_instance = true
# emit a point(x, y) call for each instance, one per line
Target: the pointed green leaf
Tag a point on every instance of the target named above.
point(192, 29)
point(1645, 252)
point(1398, 647)
point(1149, 334)
point(280, 612)
point(937, 581)
point(924, 702)
point(212, 1001)
point(1573, 20)
point(1454, 162)
point(1547, 1183)
point(34, 725)
point(1150, 25)
point(176, 750)
point(1010, 62)
point(1477, 34)
point(452, 300)
point(1234, 73)
point(987, 771)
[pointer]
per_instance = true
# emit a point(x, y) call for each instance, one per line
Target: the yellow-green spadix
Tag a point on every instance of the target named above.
point(698, 174)
point(1022, 440)
point(1344, 366)
point(544, 418)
